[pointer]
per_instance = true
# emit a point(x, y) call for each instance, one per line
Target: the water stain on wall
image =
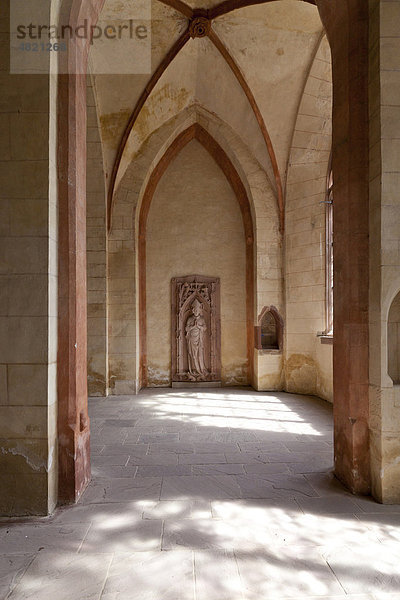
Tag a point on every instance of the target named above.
point(112, 126)
point(161, 105)
point(301, 374)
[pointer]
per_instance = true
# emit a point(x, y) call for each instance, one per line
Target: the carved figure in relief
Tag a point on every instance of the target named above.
point(195, 330)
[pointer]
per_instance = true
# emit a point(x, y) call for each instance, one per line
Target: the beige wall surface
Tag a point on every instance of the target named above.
point(195, 227)
point(384, 242)
point(308, 363)
point(96, 243)
point(394, 340)
point(28, 290)
point(123, 272)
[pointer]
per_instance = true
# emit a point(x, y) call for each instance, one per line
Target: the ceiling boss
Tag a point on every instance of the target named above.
point(199, 27)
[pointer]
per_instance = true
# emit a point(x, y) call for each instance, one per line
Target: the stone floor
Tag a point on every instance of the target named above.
point(207, 495)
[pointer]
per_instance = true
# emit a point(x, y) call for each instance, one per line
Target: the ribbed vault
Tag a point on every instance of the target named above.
point(248, 59)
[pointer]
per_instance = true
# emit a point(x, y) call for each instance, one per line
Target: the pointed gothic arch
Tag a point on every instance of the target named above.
point(197, 132)
point(346, 22)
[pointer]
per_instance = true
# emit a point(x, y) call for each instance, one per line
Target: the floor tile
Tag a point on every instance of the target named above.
point(267, 574)
point(63, 576)
point(263, 447)
point(151, 438)
point(164, 470)
point(326, 484)
point(178, 509)
point(369, 505)
point(217, 576)
point(222, 469)
point(235, 486)
point(153, 459)
point(201, 459)
point(385, 527)
point(174, 448)
point(269, 486)
point(136, 449)
point(357, 573)
point(258, 510)
point(12, 567)
point(129, 512)
point(266, 468)
point(119, 460)
point(215, 448)
point(115, 535)
point(206, 487)
point(170, 574)
point(246, 458)
point(329, 505)
point(27, 538)
point(113, 472)
point(122, 490)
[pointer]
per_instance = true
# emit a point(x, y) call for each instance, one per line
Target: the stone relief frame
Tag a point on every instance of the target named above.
point(273, 311)
point(195, 296)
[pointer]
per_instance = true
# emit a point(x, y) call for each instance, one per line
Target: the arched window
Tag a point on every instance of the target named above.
point(329, 253)
point(394, 340)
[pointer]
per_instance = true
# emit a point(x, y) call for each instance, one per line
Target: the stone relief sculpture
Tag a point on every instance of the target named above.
point(196, 329)
point(196, 337)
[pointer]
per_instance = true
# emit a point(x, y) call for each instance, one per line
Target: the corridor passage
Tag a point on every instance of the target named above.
point(221, 494)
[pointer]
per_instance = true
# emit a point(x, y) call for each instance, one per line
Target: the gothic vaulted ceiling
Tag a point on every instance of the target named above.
point(247, 66)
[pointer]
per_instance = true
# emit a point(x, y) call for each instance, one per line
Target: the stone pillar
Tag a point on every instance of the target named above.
point(346, 22)
point(384, 243)
point(73, 420)
point(28, 292)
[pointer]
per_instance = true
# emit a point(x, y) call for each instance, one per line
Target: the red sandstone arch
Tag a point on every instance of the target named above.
point(223, 8)
point(197, 132)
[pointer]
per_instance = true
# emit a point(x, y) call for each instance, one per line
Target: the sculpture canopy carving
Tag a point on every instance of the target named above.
point(196, 329)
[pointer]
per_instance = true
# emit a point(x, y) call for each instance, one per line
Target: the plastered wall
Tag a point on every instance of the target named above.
point(308, 362)
point(96, 242)
point(28, 289)
point(123, 268)
point(195, 227)
point(394, 340)
point(384, 242)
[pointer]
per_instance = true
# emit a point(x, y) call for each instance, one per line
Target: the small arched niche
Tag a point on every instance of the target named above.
point(394, 340)
point(269, 331)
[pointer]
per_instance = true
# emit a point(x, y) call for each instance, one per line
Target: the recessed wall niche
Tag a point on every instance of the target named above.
point(195, 226)
point(394, 340)
point(269, 331)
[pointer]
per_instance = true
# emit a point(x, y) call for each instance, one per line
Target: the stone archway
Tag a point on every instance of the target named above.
point(197, 132)
point(350, 162)
point(123, 368)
